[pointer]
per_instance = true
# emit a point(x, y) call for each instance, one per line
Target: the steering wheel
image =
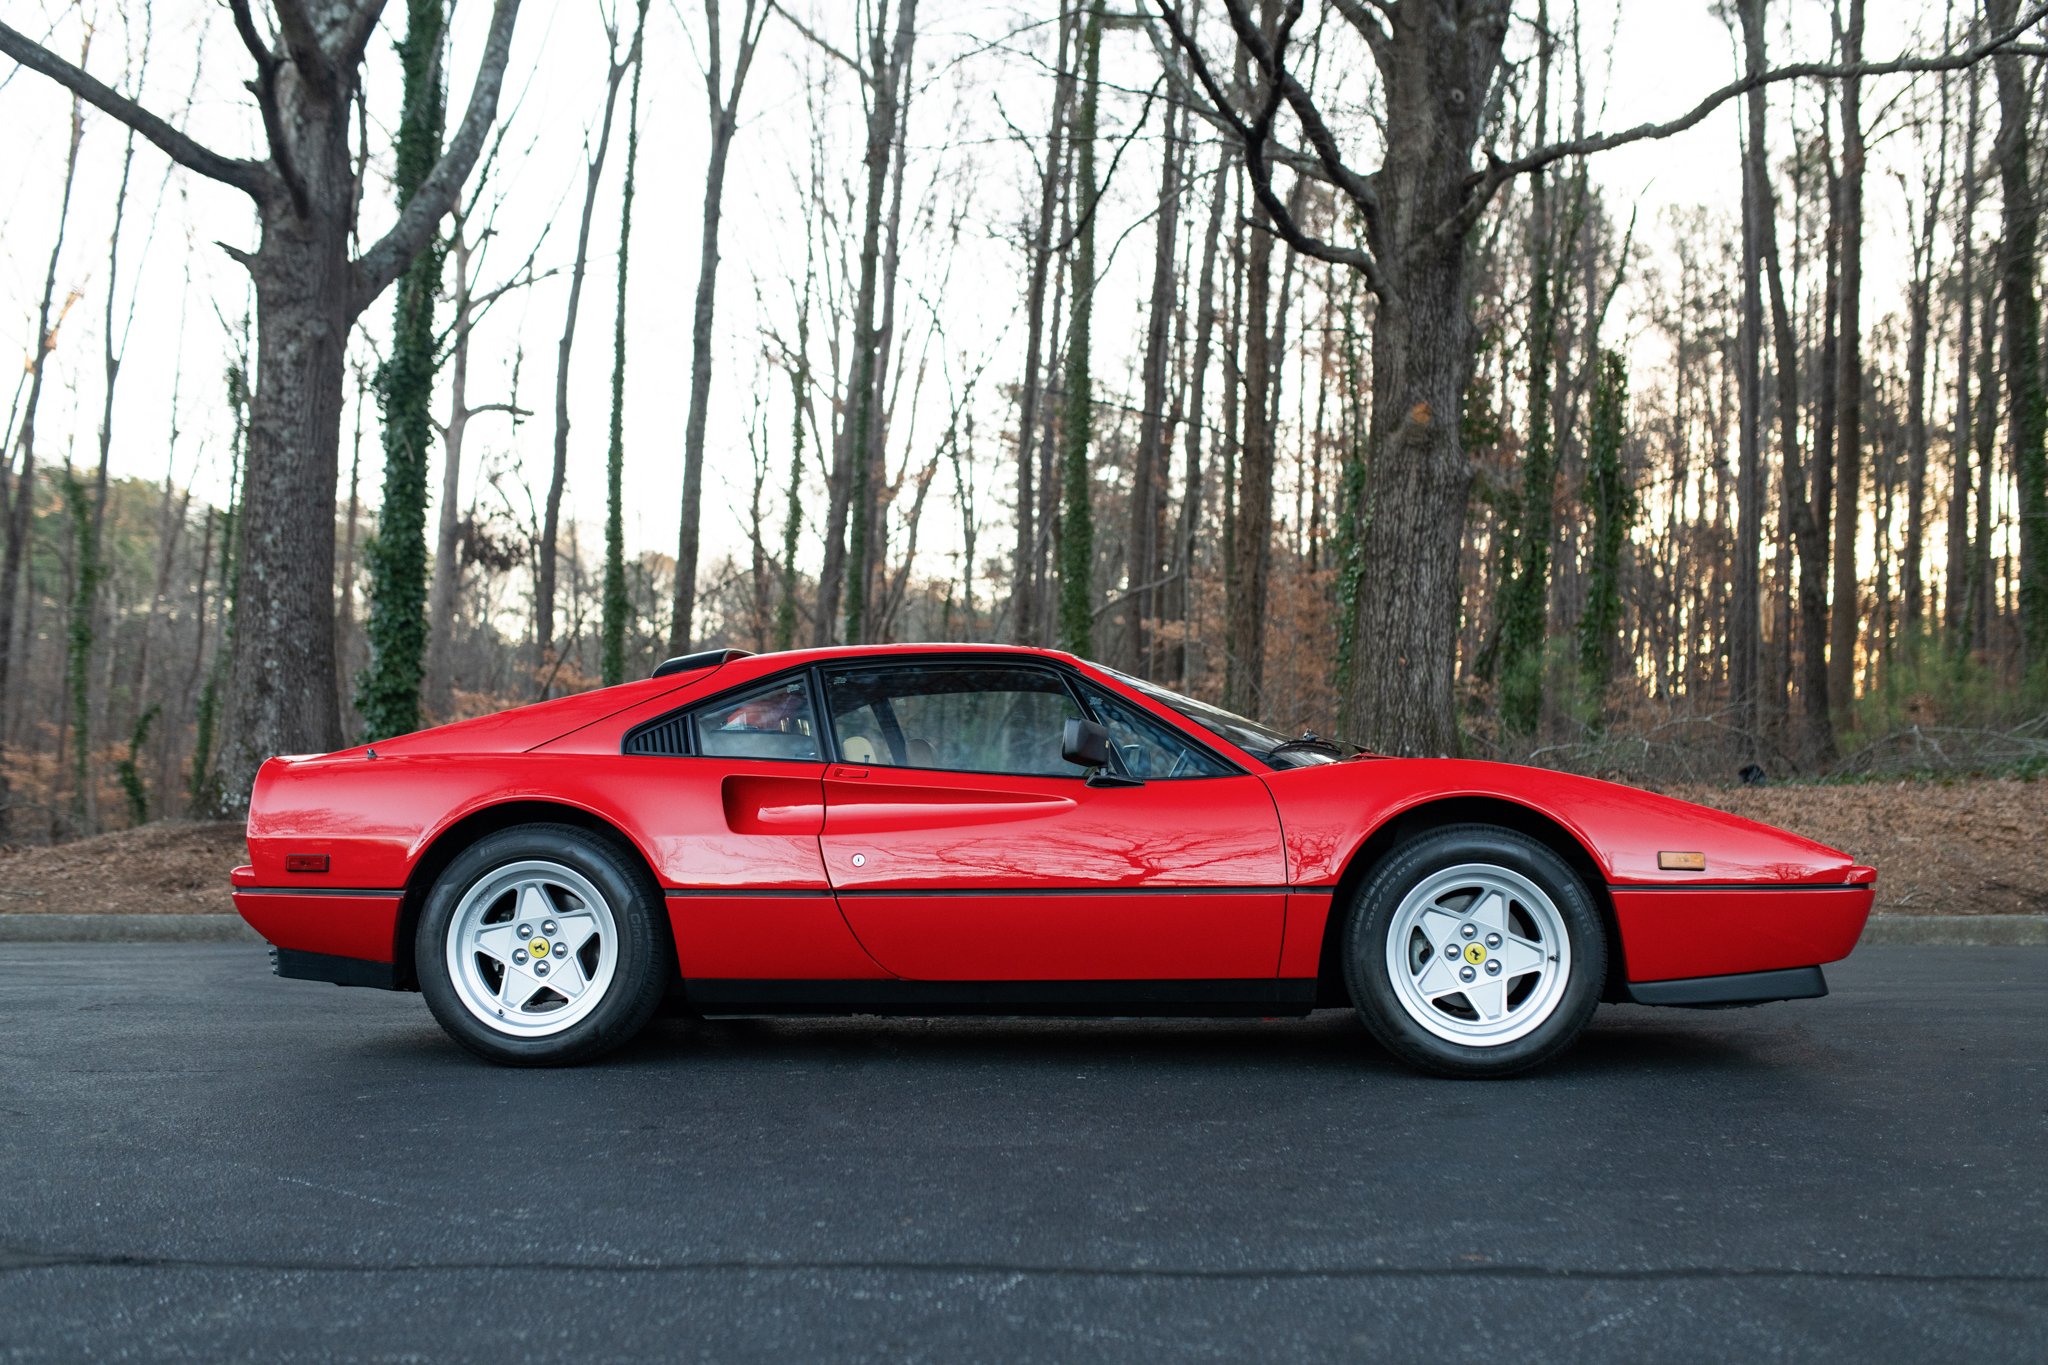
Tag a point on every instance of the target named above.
point(1181, 763)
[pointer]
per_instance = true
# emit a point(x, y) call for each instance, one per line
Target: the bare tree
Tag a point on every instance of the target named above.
point(723, 106)
point(617, 64)
point(309, 291)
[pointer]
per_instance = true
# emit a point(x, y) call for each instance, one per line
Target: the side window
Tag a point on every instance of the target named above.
point(1000, 719)
point(1150, 749)
point(772, 722)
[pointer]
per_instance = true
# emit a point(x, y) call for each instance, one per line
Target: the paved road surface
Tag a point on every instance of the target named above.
point(198, 1161)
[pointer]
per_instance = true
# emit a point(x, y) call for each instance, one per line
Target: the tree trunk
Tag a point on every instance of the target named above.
point(1177, 597)
point(1023, 584)
point(1845, 624)
point(724, 110)
point(17, 511)
point(1960, 561)
point(887, 68)
point(544, 591)
point(1144, 553)
point(1745, 626)
point(617, 605)
point(1077, 512)
point(2026, 401)
point(1401, 699)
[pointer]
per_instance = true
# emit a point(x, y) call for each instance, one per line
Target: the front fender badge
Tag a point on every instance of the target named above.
point(1682, 862)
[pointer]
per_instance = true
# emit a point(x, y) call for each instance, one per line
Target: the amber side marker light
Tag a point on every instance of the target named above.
point(305, 862)
point(1682, 862)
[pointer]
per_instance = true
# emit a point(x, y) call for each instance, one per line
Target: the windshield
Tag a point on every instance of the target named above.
point(1277, 749)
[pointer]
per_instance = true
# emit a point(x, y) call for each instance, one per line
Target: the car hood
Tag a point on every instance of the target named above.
point(1624, 828)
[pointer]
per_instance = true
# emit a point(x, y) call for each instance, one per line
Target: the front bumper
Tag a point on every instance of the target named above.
point(1673, 933)
point(1741, 988)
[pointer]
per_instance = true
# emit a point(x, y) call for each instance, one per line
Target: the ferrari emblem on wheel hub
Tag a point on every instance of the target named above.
point(1475, 953)
point(539, 948)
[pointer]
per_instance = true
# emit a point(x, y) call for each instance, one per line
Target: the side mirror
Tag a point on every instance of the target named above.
point(1085, 744)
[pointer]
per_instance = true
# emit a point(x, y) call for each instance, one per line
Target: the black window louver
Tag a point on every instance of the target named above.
point(669, 736)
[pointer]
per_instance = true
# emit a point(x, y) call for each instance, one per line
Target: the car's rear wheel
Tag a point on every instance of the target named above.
point(541, 945)
point(1473, 950)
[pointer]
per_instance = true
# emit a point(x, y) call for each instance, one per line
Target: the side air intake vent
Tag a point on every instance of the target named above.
point(668, 736)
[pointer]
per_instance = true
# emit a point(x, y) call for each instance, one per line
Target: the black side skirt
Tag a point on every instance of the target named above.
point(342, 971)
point(1743, 988)
point(1188, 999)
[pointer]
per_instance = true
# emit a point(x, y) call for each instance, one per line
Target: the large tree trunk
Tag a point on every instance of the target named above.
point(1401, 698)
point(1745, 626)
point(282, 696)
point(2026, 402)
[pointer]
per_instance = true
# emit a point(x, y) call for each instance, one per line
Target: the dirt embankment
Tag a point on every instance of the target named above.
point(173, 867)
point(1968, 848)
point(1965, 848)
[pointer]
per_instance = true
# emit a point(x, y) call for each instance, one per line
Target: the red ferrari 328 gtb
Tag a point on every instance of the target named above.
point(979, 829)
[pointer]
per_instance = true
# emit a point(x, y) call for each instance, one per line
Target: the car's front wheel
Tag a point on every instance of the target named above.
point(1473, 950)
point(539, 946)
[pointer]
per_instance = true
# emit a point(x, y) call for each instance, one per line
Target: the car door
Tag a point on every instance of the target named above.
point(964, 847)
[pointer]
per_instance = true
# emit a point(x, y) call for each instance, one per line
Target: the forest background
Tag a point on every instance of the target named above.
point(1650, 390)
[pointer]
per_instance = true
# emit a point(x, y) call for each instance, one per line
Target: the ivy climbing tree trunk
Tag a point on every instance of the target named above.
point(1611, 502)
point(388, 690)
point(551, 524)
point(1077, 512)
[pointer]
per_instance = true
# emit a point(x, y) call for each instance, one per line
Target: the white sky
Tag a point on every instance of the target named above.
point(976, 60)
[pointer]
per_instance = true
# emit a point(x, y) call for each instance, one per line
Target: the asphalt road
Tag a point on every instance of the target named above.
point(198, 1161)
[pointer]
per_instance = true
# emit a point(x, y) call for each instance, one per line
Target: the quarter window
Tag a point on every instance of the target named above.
point(770, 722)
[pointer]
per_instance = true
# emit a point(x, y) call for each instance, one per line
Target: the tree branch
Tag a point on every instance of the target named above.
point(264, 87)
point(817, 41)
point(302, 44)
point(388, 259)
point(354, 37)
point(1498, 172)
point(1257, 136)
point(253, 178)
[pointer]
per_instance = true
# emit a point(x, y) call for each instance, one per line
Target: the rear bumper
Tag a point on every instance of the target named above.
point(1742, 988)
point(345, 935)
point(1682, 933)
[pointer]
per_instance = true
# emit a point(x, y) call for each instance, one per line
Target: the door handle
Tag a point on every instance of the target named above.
point(842, 773)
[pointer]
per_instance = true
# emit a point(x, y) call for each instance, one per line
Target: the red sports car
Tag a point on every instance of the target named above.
point(980, 829)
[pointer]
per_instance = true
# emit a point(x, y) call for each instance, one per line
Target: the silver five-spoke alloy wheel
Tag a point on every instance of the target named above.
point(532, 948)
point(1478, 955)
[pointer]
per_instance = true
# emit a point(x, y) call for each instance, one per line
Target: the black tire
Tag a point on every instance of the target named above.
point(1370, 920)
point(645, 963)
